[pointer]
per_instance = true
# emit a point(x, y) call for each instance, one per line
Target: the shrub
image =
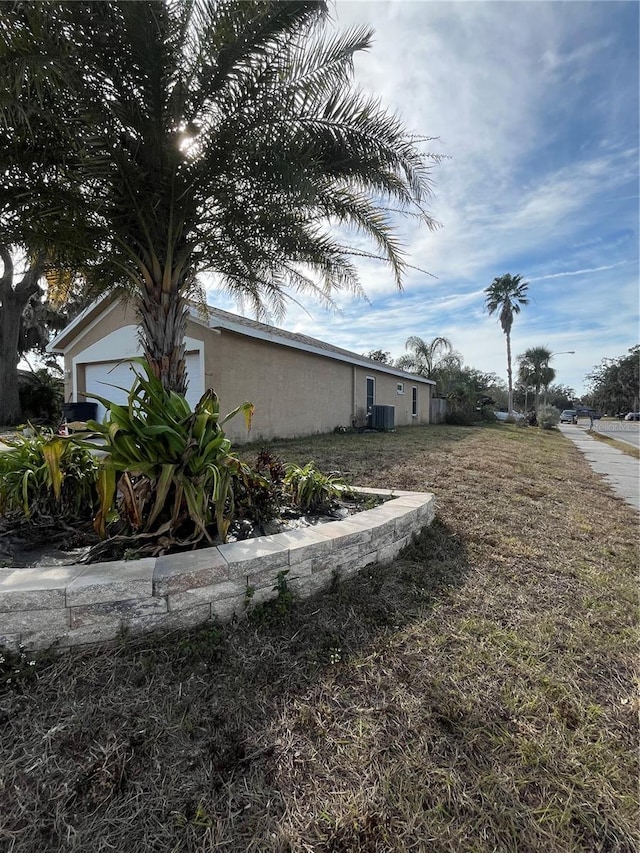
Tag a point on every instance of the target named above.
point(258, 491)
point(41, 396)
point(460, 416)
point(548, 417)
point(47, 475)
point(487, 415)
point(311, 490)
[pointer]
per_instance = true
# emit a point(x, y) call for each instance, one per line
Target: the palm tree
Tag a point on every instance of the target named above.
point(507, 294)
point(526, 379)
point(547, 375)
point(206, 136)
point(535, 361)
point(432, 359)
point(427, 357)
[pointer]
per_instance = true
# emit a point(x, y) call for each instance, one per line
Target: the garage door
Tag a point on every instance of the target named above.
point(109, 378)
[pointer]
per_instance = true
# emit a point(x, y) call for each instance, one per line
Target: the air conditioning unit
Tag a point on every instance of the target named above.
point(383, 418)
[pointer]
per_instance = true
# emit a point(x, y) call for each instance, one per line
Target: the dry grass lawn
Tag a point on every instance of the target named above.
point(478, 695)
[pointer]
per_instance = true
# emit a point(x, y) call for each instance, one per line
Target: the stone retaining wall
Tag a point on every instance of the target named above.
point(83, 604)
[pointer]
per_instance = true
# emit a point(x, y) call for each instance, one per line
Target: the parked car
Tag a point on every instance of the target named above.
point(569, 416)
point(503, 415)
point(588, 413)
point(632, 416)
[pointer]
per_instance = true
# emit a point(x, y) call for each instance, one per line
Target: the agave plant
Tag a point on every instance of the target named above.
point(172, 467)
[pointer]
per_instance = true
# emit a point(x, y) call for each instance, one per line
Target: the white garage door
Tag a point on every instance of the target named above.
point(102, 377)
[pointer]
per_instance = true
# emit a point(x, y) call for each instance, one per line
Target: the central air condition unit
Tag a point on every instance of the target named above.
point(383, 417)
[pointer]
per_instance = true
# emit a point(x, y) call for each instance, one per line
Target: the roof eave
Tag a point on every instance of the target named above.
point(55, 346)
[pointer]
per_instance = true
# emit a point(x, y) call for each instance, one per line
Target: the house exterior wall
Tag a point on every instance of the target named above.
point(294, 392)
point(386, 394)
point(117, 315)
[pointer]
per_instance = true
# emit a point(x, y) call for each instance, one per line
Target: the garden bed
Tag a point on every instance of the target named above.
point(25, 544)
point(82, 604)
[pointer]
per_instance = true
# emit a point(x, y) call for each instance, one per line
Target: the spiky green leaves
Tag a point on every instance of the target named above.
point(46, 475)
point(174, 467)
point(310, 489)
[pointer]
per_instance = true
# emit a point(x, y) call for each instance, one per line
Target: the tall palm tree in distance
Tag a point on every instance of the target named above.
point(506, 295)
point(206, 136)
point(547, 375)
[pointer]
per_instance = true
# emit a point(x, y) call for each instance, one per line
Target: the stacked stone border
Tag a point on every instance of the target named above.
point(66, 606)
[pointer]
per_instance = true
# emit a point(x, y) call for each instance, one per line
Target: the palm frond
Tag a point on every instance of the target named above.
point(204, 135)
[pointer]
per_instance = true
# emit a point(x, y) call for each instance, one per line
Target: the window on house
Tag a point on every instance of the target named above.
point(400, 387)
point(414, 401)
point(371, 392)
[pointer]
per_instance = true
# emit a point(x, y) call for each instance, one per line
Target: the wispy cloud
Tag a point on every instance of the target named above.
point(579, 272)
point(536, 104)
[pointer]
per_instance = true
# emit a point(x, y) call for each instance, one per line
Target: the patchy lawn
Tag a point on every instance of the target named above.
point(478, 695)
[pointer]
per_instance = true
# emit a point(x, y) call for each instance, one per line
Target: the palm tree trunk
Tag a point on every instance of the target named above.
point(163, 322)
point(509, 373)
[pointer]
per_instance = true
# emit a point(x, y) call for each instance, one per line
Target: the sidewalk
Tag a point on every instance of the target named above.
point(618, 469)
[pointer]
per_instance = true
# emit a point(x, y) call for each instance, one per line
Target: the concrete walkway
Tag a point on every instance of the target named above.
point(618, 469)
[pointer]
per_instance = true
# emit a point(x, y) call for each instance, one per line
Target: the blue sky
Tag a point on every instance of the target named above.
point(536, 106)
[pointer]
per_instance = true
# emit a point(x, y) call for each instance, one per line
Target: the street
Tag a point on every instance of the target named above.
point(628, 431)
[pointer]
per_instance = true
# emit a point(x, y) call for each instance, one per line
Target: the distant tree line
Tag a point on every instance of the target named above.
point(615, 384)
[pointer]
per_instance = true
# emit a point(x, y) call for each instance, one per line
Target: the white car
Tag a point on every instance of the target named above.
point(504, 415)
